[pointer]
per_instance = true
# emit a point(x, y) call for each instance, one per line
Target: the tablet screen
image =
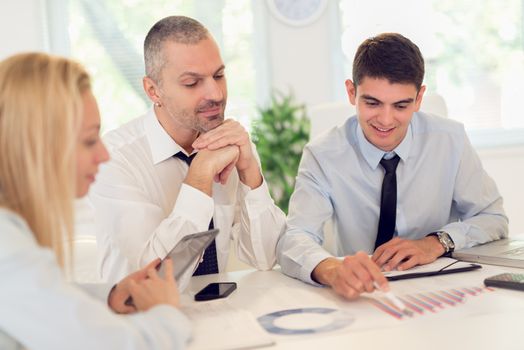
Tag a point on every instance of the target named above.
point(188, 251)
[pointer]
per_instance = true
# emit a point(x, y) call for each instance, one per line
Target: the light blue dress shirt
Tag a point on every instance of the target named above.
point(40, 310)
point(441, 185)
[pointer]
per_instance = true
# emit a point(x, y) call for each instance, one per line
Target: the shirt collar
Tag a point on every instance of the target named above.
point(161, 144)
point(373, 155)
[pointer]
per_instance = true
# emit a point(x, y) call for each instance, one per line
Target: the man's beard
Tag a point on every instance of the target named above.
point(192, 121)
point(203, 127)
point(209, 123)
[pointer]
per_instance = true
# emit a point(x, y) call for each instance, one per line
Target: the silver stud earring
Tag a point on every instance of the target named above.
point(157, 104)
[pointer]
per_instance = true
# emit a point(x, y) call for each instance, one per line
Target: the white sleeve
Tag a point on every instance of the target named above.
point(258, 226)
point(131, 229)
point(42, 311)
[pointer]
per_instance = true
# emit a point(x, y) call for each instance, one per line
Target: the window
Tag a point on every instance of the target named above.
point(474, 53)
point(107, 37)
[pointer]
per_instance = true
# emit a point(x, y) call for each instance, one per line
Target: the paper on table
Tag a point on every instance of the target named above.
point(432, 267)
point(222, 326)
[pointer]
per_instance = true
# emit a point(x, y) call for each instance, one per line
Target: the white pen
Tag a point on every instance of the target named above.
point(394, 300)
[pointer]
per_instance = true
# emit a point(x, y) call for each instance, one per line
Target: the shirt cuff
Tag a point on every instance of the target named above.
point(98, 291)
point(257, 197)
point(194, 206)
point(310, 264)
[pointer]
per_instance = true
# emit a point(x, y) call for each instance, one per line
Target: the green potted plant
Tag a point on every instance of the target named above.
point(280, 134)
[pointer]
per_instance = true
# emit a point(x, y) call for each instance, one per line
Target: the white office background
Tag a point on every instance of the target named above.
point(108, 36)
point(474, 52)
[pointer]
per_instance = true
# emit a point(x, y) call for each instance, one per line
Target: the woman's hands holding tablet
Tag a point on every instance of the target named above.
point(146, 288)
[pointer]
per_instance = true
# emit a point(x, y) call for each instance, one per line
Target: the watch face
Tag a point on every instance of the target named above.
point(451, 244)
point(297, 12)
point(446, 241)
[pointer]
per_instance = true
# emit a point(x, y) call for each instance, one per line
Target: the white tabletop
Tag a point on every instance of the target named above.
point(491, 320)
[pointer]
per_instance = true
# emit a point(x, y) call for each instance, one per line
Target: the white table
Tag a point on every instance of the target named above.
point(497, 325)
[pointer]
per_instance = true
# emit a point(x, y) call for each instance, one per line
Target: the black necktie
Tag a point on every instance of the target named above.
point(209, 264)
point(388, 201)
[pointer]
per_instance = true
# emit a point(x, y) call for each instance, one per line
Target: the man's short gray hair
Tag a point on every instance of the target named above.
point(179, 29)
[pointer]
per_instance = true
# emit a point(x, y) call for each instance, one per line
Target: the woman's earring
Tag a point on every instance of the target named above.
point(157, 104)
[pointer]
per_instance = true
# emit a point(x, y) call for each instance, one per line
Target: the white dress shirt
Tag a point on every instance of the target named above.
point(441, 185)
point(40, 310)
point(142, 207)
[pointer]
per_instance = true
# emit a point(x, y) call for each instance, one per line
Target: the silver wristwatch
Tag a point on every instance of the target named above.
point(445, 240)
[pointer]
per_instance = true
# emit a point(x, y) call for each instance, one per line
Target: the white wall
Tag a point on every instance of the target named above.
point(296, 63)
point(22, 26)
point(299, 59)
point(506, 166)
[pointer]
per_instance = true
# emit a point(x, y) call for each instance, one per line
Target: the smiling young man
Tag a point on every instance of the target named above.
point(402, 185)
point(182, 168)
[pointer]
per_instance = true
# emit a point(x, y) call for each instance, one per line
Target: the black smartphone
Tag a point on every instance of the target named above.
point(506, 280)
point(216, 291)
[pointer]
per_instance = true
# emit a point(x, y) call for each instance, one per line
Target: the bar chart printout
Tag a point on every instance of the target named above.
point(420, 304)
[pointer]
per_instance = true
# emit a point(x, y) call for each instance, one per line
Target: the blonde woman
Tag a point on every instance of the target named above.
point(49, 154)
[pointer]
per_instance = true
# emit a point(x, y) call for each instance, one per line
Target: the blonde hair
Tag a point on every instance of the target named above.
point(40, 114)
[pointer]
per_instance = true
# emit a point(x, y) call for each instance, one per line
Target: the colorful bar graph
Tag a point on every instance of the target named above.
point(431, 300)
point(458, 292)
point(451, 296)
point(387, 309)
point(412, 306)
point(469, 291)
point(422, 303)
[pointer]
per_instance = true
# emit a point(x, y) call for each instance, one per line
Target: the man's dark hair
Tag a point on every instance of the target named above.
point(180, 29)
point(390, 56)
